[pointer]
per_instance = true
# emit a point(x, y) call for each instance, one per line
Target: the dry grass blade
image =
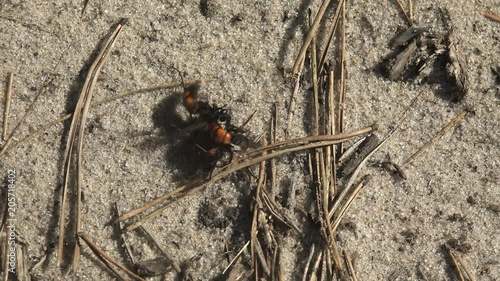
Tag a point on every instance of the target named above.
point(365, 159)
point(220, 176)
point(410, 10)
point(158, 201)
point(342, 80)
point(343, 137)
point(33, 135)
point(262, 260)
point(314, 270)
point(170, 259)
point(323, 190)
point(78, 125)
point(86, 94)
point(350, 151)
point(322, 178)
point(104, 101)
point(152, 89)
point(303, 144)
point(257, 206)
point(272, 164)
point(310, 35)
point(314, 67)
point(106, 259)
point(280, 271)
point(23, 23)
point(275, 210)
point(31, 106)
point(404, 12)
point(354, 176)
point(331, 130)
point(463, 273)
point(350, 267)
point(84, 10)
point(347, 204)
point(309, 259)
point(293, 102)
point(240, 252)
point(123, 241)
point(438, 136)
point(247, 120)
point(26, 114)
point(329, 228)
point(489, 15)
point(6, 109)
point(331, 32)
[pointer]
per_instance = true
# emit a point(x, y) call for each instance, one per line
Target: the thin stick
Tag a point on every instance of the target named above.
point(87, 93)
point(314, 67)
point(154, 88)
point(459, 265)
point(6, 111)
point(240, 252)
point(309, 259)
point(100, 253)
point(262, 259)
point(122, 237)
point(323, 173)
point(404, 12)
point(350, 267)
point(315, 267)
point(24, 23)
point(293, 102)
point(195, 185)
point(214, 179)
point(257, 207)
point(307, 140)
point(32, 105)
point(46, 126)
point(86, 90)
point(331, 122)
point(272, 164)
point(84, 10)
point(354, 175)
point(438, 136)
point(310, 35)
point(410, 10)
point(26, 114)
point(331, 32)
point(342, 91)
point(347, 204)
point(170, 259)
point(489, 15)
point(278, 213)
point(33, 135)
point(330, 229)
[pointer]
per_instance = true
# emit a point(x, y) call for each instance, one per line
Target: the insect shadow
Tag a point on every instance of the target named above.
point(183, 154)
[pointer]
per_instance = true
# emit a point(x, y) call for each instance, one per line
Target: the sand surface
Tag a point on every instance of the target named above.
point(395, 229)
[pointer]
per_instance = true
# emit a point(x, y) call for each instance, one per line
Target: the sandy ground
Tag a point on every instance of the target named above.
point(395, 229)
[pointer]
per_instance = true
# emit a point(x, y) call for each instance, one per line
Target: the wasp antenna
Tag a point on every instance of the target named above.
point(240, 128)
point(182, 78)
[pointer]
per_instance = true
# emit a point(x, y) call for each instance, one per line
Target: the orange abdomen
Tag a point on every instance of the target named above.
point(189, 102)
point(220, 135)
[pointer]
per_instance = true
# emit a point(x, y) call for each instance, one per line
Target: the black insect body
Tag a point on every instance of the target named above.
point(210, 131)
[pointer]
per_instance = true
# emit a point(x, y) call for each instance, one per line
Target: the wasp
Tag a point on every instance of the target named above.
point(211, 127)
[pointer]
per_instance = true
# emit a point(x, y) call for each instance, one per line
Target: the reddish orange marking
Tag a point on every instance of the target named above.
point(220, 135)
